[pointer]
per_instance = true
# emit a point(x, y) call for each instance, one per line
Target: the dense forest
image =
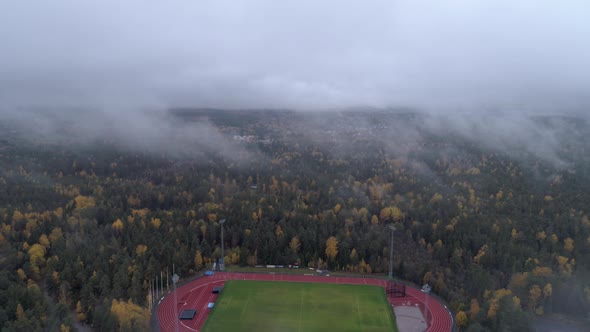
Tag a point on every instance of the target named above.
point(498, 222)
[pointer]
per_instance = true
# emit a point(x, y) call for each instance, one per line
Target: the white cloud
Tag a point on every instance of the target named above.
point(302, 54)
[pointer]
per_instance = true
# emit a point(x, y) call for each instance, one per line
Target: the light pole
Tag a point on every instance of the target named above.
point(175, 278)
point(392, 228)
point(222, 264)
point(426, 289)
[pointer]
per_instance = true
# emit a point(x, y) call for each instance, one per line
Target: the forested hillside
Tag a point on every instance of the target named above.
point(496, 221)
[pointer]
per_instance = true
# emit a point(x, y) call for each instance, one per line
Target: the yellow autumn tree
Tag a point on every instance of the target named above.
point(37, 259)
point(495, 301)
point(518, 280)
point(133, 202)
point(44, 241)
point(130, 316)
point(542, 271)
point(474, 309)
point(141, 249)
point(364, 267)
point(278, 232)
point(20, 312)
point(390, 213)
point(198, 260)
point(59, 213)
point(295, 244)
point(117, 225)
point(566, 265)
point(83, 202)
point(21, 274)
point(439, 284)
point(17, 216)
point(516, 302)
point(364, 215)
point(55, 235)
point(235, 256)
point(534, 296)
point(156, 222)
point(547, 290)
point(568, 244)
point(331, 247)
point(374, 220)
point(481, 253)
point(435, 198)
point(80, 314)
point(353, 255)
point(461, 319)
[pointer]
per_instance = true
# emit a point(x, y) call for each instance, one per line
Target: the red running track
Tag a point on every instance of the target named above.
point(198, 293)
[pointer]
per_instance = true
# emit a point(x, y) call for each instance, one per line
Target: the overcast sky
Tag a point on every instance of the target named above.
point(530, 55)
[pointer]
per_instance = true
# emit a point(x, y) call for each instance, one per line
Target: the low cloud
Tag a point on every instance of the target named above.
point(143, 131)
point(526, 56)
point(479, 69)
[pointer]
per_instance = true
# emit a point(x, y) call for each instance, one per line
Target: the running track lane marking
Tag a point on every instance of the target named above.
point(200, 310)
point(246, 305)
point(300, 308)
point(358, 312)
point(203, 311)
point(439, 318)
point(201, 287)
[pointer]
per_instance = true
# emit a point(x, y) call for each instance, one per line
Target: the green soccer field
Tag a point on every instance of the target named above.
point(300, 307)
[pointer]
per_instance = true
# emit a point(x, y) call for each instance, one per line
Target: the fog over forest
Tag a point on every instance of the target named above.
point(108, 68)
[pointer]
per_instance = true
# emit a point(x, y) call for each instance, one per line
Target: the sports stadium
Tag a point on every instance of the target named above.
point(232, 301)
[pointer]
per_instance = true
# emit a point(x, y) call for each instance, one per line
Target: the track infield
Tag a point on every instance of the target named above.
point(286, 306)
point(198, 292)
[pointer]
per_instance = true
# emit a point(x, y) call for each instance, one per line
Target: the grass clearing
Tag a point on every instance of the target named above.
point(300, 307)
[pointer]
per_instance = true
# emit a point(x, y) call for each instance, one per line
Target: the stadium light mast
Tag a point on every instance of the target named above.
point(175, 278)
point(392, 228)
point(222, 264)
point(426, 289)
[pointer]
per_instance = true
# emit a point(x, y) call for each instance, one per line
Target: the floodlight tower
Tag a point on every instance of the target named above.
point(222, 264)
point(426, 289)
point(175, 278)
point(392, 228)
